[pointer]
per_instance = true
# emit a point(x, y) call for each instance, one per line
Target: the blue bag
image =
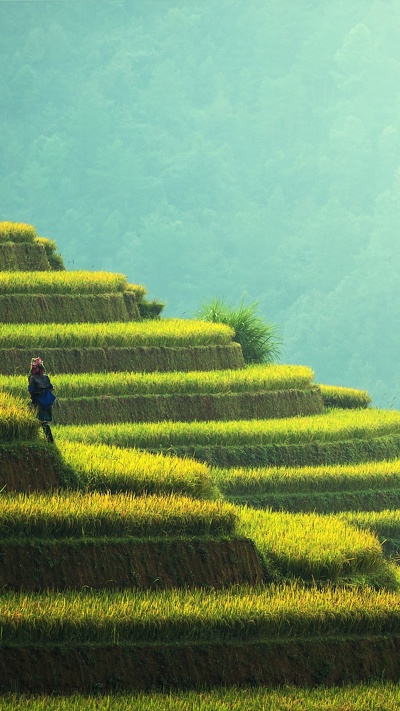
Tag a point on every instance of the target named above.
point(46, 399)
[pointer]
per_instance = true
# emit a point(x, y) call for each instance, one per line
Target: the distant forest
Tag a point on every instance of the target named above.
point(220, 148)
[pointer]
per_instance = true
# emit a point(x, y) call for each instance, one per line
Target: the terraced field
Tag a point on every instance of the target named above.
point(197, 524)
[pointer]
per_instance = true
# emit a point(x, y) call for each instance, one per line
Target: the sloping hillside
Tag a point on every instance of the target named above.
point(197, 522)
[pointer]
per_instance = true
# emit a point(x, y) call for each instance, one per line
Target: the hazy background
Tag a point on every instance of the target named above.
point(219, 147)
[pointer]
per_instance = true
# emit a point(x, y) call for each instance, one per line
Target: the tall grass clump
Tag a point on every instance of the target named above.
point(259, 340)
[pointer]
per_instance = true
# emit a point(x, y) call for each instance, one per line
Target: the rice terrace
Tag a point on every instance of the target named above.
point(204, 532)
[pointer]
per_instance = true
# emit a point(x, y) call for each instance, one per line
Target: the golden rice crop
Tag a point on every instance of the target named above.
point(311, 546)
point(276, 611)
point(336, 396)
point(81, 515)
point(374, 696)
point(139, 290)
point(16, 232)
point(165, 332)
point(255, 378)
point(17, 421)
point(336, 425)
point(61, 282)
point(339, 477)
point(105, 468)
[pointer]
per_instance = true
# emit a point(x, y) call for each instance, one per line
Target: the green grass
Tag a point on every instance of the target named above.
point(66, 308)
point(17, 421)
point(332, 426)
point(17, 232)
point(168, 332)
point(62, 282)
point(258, 339)
point(327, 478)
point(22, 256)
point(336, 396)
point(106, 468)
point(303, 546)
point(251, 379)
point(362, 697)
point(53, 256)
point(80, 515)
point(310, 546)
point(385, 524)
point(287, 612)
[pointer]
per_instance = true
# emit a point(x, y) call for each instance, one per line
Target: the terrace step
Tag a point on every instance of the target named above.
point(324, 502)
point(190, 407)
point(145, 359)
point(94, 669)
point(310, 454)
point(23, 256)
point(32, 466)
point(68, 308)
point(201, 561)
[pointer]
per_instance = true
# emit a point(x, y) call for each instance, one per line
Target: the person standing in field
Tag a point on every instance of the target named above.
point(42, 398)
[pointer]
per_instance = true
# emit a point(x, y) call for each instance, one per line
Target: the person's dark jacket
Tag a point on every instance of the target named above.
point(37, 386)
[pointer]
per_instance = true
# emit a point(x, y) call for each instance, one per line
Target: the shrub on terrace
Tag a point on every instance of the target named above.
point(259, 340)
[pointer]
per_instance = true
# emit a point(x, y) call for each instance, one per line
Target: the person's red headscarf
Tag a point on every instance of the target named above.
point(37, 367)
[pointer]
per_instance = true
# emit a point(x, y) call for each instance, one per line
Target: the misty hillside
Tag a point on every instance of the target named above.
point(219, 147)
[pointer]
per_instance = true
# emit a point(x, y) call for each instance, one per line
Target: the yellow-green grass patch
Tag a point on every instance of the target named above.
point(384, 524)
point(304, 546)
point(309, 546)
point(168, 332)
point(324, 489)
point(16, 232)
point(17, 421)
point(336, 396)
point(80, 515)
point(250, 379)
point(108, 468)
point(106, 641)
point(306, 479)
point(272, 612)
point(332, 426)
point(62, 282)
point(376, 696)
point(139, 290)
